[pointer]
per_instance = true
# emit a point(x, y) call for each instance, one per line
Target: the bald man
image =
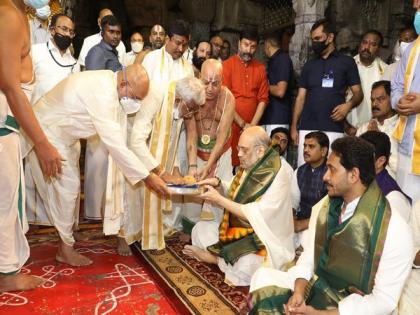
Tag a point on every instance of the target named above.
point(257, 224)
point(208, 139)
point(95, 39)
point(86, 104)
point(157, 36)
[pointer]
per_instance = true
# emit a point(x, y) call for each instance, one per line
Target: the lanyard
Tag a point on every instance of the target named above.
point(59, 64)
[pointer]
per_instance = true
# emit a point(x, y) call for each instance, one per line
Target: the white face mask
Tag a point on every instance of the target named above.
point(36, 4)
point(403, 47)
point(129, 105)
point(43, 13)
point(137, 46)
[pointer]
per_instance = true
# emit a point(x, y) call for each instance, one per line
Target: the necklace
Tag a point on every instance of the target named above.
point(205, 138)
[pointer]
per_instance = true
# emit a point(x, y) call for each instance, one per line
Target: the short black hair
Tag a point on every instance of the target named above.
point(110, 20)
point(282, 130)
point(55, 18)
point(320, 137)
point(380, 141)
point(179, 27)
point(273, 39)
point(356, 152)
point(375, 32)
point(226, 41)
point(385, 84)
point(250, 34)
point(327, 26)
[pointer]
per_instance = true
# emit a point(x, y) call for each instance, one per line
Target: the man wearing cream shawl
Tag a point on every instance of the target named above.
point(405, 97)
point(257, 226)
point(358, 251)
point(82, 105)
point(155, 139)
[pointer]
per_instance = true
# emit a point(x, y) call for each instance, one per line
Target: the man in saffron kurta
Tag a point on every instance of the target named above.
point(257, 226)
point(358, 251)
point(247, 80)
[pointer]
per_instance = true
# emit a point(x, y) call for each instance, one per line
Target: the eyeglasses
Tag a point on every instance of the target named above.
point(65, 29)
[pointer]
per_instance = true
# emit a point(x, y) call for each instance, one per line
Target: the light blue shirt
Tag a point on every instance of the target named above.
point(397, 91)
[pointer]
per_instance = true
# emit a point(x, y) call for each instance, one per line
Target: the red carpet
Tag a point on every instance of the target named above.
point(111, 285)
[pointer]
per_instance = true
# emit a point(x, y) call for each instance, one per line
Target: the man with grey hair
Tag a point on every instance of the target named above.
point(155, 140)
point(258, 201)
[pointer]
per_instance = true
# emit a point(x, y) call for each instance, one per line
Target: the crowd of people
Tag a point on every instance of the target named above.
point(340, 234)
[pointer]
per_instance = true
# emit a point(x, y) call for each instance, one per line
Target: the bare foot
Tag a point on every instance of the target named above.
point(122, 247)
point(199, 254)
point(79, 237)
point(19, 282)
point(67, 255)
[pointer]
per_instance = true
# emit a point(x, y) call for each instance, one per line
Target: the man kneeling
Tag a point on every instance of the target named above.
point(257, 224)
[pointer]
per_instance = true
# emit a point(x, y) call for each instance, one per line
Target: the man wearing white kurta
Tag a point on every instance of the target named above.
point(384, 119)
point(371, 68)
point(164, 66)
point(81, 106)
point(52, 63)
point(265, 216)
point(154, 139)
point(409, 302)
point(95, 39)
point(349, 193)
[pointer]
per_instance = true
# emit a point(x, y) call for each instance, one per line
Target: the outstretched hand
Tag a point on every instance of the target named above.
point(155, 183)
point(210, 194)
point(49, 159)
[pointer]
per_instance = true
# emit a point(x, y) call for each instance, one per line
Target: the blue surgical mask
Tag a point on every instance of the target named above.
point(43, 13)
point(36, 4)
point(417, 22)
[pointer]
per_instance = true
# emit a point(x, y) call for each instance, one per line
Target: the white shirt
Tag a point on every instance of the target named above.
point(86, 104)
point(39, 34)
point(50, 67)
point(93, 40)
point(368, 75)
point(387, 127)
point(162, 68)
point(188, 55)
point(287, 167)
point(394, 266)
point(129, 58)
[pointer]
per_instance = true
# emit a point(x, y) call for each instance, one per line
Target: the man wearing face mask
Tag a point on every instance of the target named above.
point(320, 103)
point(39, 25)
point(405, 96)
point(406, 37)
point(52, 63)
point(371, 68)
point(136, 43)
point(82, 105)
point(95, 39)
point(16, 115)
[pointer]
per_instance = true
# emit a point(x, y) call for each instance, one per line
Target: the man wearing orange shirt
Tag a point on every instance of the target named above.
point(247, 80)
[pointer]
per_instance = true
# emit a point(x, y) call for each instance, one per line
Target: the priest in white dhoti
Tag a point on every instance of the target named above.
point(155, 140)
point(164, 66)
point(409, 301)
point(85, 104)
point(208, 141)
point(257, 226)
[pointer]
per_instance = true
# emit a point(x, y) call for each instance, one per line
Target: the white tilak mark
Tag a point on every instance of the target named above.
point(121, 271)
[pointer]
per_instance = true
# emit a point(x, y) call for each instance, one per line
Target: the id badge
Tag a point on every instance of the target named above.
point(327, 82)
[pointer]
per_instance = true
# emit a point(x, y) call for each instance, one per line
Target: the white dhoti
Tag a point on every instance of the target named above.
point(302, 133)
point(193, 206)
point(409, 301)
point(408, 182)
point(96, 167)
point(14, 248)
point(59, 195)
point(206, 233)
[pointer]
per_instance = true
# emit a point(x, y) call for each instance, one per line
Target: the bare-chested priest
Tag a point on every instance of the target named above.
point(208, 139)
point(16, 78)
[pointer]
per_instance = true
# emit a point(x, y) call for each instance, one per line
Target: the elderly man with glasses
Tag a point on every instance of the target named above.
point(257, 225)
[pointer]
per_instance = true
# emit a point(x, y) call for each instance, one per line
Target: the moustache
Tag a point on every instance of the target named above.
point(366, 52)
point(375, 109)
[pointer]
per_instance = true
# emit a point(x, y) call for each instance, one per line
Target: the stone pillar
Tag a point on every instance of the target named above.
point(307, 12)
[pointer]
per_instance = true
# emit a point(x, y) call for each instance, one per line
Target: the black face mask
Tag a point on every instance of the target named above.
point(62, 41)
point(319, 47)
point(198, 61)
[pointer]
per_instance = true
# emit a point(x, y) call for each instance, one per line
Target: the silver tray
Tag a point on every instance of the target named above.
point(184, 189)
